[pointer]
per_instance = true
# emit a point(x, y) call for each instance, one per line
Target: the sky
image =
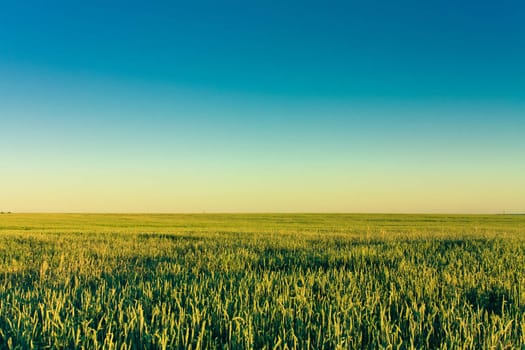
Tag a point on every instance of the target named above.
point(262, 106)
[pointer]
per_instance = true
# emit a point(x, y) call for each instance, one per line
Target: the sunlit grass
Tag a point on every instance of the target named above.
point(261, 281)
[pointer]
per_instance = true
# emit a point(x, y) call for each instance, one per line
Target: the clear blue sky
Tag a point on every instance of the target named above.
point(407, 106)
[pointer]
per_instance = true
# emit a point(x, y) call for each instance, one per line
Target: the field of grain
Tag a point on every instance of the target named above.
point(262, 281)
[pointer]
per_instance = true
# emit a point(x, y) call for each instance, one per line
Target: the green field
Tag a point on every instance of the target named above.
point(262, 281)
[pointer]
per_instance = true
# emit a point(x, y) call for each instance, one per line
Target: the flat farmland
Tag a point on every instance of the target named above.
point(262, 281)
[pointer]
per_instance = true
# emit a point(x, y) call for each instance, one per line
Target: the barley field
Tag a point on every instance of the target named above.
point(311, 281)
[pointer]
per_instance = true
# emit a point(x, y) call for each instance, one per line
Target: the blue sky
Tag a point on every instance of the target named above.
point(262, 106)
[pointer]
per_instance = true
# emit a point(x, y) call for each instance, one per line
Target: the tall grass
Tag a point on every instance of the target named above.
point(262, 281)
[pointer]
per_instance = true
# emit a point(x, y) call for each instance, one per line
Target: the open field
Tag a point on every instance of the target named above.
point(262, 281)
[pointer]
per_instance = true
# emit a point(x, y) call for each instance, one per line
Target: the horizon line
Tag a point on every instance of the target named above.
point(503, 212)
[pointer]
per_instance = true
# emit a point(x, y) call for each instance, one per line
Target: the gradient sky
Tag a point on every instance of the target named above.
point(262, 106)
